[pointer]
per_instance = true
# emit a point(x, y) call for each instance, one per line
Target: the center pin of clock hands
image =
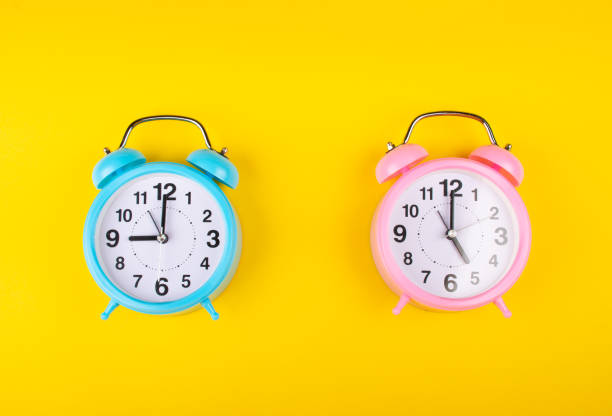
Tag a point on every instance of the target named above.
point(451, 233)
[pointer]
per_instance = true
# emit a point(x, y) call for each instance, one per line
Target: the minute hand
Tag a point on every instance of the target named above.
point(163, 216)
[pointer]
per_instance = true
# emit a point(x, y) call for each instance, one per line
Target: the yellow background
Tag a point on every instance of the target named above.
point(305, 95)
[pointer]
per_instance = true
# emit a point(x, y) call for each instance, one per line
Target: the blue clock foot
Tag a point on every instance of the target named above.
point(499, 302)
point(207, 304)
point(403, 301)
point(109, 309)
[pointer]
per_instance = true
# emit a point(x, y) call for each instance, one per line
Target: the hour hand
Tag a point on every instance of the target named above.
point(460, 249)
point(143, 238)
point(452, 236)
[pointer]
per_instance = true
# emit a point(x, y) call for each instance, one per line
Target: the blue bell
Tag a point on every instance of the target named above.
point(114, 164)
point(215, 165)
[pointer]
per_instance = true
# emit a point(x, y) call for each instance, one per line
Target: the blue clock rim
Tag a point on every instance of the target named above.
point(194, 298)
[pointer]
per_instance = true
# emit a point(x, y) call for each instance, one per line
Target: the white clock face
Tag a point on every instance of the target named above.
point(453, 247)
point(157, 257)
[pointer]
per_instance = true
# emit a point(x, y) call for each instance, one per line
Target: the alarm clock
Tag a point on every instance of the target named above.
point(453, 233)
point(162, 237)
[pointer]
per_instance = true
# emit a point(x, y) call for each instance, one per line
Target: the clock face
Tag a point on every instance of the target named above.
point(453, 233)
point(160, 237)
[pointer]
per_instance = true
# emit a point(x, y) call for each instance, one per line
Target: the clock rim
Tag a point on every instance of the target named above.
point(394, 276)
point(223, 272)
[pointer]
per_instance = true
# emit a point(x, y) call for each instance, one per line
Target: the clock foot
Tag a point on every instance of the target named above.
point(207, 304)
point(499, 302)
point(403, 301)
point(109, 309)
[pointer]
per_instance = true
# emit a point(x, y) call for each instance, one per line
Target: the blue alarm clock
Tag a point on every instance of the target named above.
point(162, 237)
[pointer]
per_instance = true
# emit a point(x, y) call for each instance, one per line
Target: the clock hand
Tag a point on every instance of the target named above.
point(160, 261)
point(163, 216)
point(452, 236)
point(474, 223)
point(462, 253)
point(154, 222)
point(443, 222)
point(143, 238)
point(452, 211)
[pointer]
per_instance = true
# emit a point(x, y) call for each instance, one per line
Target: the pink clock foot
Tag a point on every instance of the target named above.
point(499, 302)
point(403, 301)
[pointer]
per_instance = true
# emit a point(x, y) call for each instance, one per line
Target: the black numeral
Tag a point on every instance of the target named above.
point(160, 286)
point(138, 277)
point(411, 210)
point(188, 195)
point(426, 273)
point(493, 260)
point(207, 214)
point(400, 233)
point(450, 284)
point(425, 192)
point(475, 192)
point(119, 263)
point(205, 263)
point(446, 185)
point(407, 258)
point(494, 211)
point(214, 235)
point(502, 237)
point(186, 282)
point(113, 237)
point(124, 215)
point(141, 196)
point(170, 187)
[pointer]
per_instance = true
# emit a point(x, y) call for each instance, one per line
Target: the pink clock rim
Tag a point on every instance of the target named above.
point(409, 289)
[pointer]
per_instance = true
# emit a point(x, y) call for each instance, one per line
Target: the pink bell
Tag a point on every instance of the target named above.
point(398, 160)
point(502, 161)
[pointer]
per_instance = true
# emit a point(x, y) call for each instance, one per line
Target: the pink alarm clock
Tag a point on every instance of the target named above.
point(453, 233)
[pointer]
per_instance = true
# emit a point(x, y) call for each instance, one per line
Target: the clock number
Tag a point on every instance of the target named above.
point(186, 282)
point(494, 211)
point(160, 286)
point(205, 263)
point(502, 238)
point(446, 185)
point(407, 258)
point(207, 214)
point(400, 233)
point(138, 277)
point(493, 260)
point(449, 283)
point(188, 195)
point(425, 192)
point(426, 273)
point(124, 214)
point(169, 186)
point(411, 211)
point(140, 195)
point(113, 237)
point(475, 279)
point(119, 263)
point(214, 235)
point(475, 192)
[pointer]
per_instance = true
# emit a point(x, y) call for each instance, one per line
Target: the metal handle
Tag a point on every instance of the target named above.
point(178, 118)
point(452, 113)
